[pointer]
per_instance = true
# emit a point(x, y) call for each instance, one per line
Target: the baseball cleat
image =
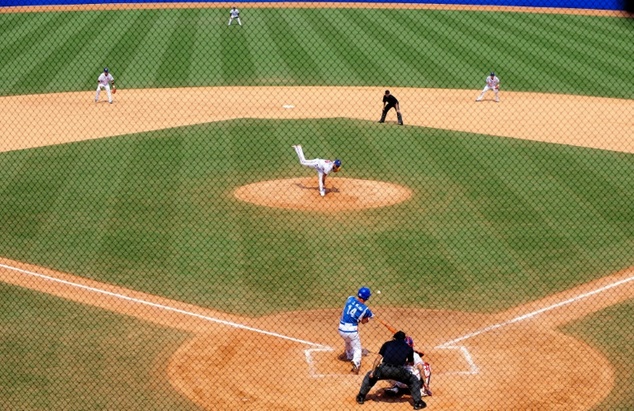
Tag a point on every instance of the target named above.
point(322, 193)
point(360, 399)
point(355, 369)
point(420, 405)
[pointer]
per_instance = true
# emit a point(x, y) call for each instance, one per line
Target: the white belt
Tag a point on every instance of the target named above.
point(348, 328)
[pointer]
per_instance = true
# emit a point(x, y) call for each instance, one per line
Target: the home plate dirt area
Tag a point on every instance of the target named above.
point(510, 360)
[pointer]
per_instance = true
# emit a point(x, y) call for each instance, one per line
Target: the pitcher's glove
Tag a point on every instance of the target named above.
point(114, 89)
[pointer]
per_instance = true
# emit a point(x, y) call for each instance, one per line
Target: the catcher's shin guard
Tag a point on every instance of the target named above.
point(400, 118)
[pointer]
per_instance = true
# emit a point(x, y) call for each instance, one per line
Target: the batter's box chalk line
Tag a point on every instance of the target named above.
point(471, 367)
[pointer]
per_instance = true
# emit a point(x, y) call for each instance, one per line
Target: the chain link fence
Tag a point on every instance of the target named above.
point(214, 206)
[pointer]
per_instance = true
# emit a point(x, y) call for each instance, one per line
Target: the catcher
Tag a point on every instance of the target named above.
point(492, 83)
point(105, 82)
point(421, 370)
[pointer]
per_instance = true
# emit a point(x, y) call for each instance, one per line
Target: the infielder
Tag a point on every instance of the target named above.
point(323, 167)
point(104, 81)
point(420, 369)
point(234, 14)
point(493, 83)
point(354, 312)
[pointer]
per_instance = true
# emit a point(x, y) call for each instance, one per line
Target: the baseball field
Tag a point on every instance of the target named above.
point(168, 251)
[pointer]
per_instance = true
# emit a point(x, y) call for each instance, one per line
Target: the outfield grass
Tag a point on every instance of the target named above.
point(46, 52)
point(494, 222)
point(612, 331)
point(60, 355)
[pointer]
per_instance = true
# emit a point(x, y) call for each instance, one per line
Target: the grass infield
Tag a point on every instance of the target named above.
point(493, 222)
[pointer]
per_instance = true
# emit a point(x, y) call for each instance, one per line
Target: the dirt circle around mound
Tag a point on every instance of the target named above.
point(342, 194)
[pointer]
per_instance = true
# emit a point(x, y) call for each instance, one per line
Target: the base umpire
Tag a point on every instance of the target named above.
point(390, 101)
point(390, 364)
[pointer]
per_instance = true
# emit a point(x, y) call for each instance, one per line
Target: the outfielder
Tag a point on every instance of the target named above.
point(323, 167)
point(234, 14)
point(420, 369)
point(354, 312)
point(104, 81)
point(493, 83)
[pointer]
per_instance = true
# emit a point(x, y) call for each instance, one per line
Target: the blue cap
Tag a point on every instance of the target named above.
point(337, 163)
point(364, 293)
point(105, 69)
point(492, 73)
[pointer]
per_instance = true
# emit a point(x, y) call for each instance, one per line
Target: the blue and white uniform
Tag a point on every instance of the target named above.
point(323, 167)
point(353, 312)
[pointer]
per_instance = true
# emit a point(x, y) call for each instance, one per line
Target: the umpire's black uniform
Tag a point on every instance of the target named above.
point(390, 101)
point(395, 356)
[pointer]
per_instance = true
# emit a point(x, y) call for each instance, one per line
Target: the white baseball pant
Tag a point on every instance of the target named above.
point(101, 87)
point(484, 91)
point(353, 348)
point(311, 164)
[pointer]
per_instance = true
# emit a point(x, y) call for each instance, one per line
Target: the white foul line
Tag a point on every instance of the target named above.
point(537, 312)
point(164, 307)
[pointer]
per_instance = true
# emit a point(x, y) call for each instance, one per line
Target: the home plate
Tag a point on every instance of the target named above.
point(288, 106)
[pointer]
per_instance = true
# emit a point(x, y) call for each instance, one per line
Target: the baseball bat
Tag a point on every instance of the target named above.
point(387, 325)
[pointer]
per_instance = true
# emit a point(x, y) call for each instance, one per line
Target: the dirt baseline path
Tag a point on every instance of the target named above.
point(45, 119)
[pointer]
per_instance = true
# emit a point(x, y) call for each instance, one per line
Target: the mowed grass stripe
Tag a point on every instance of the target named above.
point(43, 76)
point(611, 48)
point(553, 56)
point(292, 45)
point(145, 211)
point(26, 201)
point(603, 198)
point(133, 28)
point(466, 44)
point(472, 240)
point(205, 64)
point(174, 68)
point(271, 68)
point(143, 70)
point(546, 244)
point(238, 67)
point(436, 52)
point(383, 34)
point(350, 50)
point(20, 53)
point(99, 52)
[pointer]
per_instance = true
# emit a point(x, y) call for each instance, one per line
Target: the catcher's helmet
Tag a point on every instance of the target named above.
point(364, 293)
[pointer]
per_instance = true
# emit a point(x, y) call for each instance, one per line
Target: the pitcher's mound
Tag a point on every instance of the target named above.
point(342, 194)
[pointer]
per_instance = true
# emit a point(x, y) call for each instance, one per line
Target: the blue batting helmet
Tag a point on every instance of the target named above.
point(364, 293)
